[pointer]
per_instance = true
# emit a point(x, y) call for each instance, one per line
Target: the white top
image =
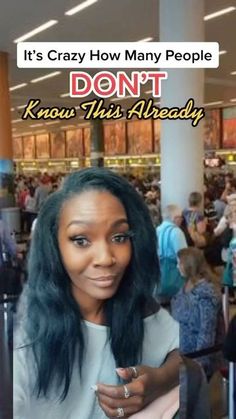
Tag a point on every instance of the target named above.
point(161, 336)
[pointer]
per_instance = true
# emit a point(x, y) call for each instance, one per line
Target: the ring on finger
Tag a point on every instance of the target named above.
point(127, 393)
point(120, 412)
point(134, 372)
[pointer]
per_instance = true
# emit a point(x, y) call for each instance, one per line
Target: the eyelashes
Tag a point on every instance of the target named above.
point(118, 238)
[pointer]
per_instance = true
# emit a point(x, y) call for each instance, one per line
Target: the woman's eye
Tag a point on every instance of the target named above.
point(80, 241)
point(120, 238)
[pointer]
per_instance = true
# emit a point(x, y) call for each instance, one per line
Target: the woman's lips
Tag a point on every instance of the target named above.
point(104, 281)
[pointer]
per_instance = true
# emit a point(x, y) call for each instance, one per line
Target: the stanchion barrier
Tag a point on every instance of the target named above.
point(232, 368)
point(232, 376)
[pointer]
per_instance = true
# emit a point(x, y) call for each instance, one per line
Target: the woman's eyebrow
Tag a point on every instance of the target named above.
point(87, 222)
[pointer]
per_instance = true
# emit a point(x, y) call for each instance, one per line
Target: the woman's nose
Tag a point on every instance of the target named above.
point(103, 256)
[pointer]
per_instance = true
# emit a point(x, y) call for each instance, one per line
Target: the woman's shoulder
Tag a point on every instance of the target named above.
point(159, 317)
point(151, 307)
point(206, 290)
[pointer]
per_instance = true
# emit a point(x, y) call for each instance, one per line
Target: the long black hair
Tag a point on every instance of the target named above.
point(53, 318)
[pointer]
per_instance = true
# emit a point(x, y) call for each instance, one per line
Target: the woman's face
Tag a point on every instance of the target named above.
point(94, 243)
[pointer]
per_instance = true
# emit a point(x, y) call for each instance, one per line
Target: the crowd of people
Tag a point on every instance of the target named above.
point(104, 258)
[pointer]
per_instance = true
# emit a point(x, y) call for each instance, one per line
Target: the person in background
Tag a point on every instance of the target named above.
point(92, 341)
point(154, 208)
point(218, 203)
point(229, 192)
point(41, 193)
point(210, 212)
point(30, 209)
point(230, 268)
point(170, 239)
point(7, 243)
point(195, 220)
point(172, 218)
point(197, 306)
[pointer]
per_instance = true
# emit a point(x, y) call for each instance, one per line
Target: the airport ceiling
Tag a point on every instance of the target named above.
point(106, 20)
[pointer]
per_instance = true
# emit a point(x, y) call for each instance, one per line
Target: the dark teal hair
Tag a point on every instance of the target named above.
point(53, 318)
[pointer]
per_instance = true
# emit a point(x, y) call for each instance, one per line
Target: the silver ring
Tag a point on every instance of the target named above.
point(126, 392)
point(120, 412)
point(134, 371)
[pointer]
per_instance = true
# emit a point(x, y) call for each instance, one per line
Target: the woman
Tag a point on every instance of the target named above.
point(197, 306)
point(89, 321)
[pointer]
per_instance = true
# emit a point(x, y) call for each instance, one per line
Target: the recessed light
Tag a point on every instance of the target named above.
point(222, 52)
point(17, 86)
point(21, 106)
point(12, 109)
point(146, 39)
point(116, 99)
point(36, 30)
point(53, 122)
point(80, 7)
point(67, 126)
point(219, 13)
point(233, 100)
point(41, 131)
point(65, 94)
point(233, 73)
point(47, 76)
point(25, 133)
point(15, 121)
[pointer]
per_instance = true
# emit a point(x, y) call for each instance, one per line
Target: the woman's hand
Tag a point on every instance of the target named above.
point(125, 400)
point(145, 385)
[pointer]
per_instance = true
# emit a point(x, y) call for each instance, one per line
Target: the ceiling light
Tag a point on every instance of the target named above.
point(148, 92)
point(36, 30)
point(25, 133)
point(36, 125)
point(233, 73)
point(67, 126)
point(233, 100)
point(65, 94)
point(219, 13)
point(47, 76)
point(222, 52)
point(145, 40)
point(14, 121)
point(219, 102)
point(80, 7)
point(121, 98)
point(41, 131)
point(53, 122)
point(21, 106)
point(12, 109)
point(17, 86)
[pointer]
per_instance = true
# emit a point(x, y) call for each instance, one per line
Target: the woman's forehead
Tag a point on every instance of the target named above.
point(92, 204)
